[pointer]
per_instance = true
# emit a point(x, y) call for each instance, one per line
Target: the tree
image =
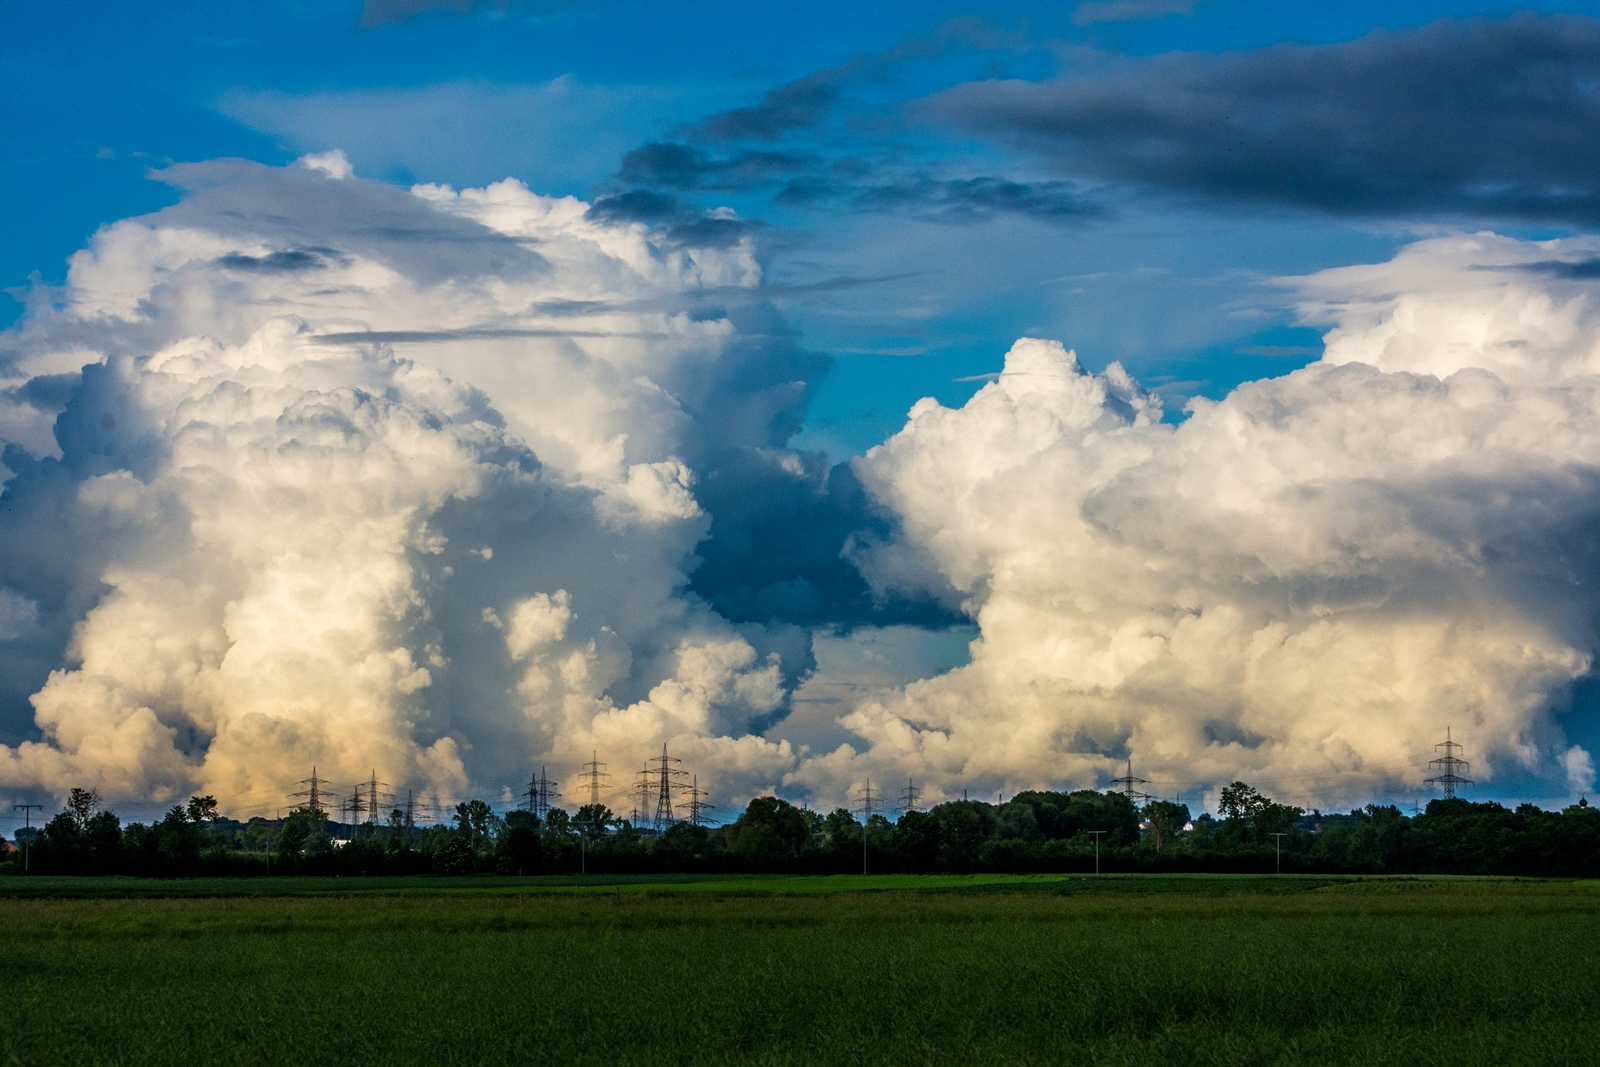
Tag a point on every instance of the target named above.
point(964, 826)
point(916, 841)
point(1241, 801)
point(771, 831)
point(202, 810)
point(476, 820)
point(593, 820)
point(455, 855)
point(1164, 820)
point(305, 830)
point(81, 805)
point(518, 851)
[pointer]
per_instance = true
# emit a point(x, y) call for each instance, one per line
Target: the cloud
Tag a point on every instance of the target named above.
point(1092, 11)
point(1301, 585)
point(381, 12)
point(1476, 117)
point(557, 134)
point(309, 470)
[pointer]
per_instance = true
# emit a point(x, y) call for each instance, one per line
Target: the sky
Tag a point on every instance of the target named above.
point(982, 396)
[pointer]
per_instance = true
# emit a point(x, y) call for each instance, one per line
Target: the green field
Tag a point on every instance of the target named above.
point(935, 970)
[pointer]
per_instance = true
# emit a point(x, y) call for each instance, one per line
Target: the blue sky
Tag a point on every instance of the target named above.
point(558, 94)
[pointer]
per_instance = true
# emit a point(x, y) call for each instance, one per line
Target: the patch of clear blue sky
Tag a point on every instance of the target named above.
point(97, 93)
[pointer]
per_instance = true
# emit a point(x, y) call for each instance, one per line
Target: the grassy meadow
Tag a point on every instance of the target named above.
point(886, 970)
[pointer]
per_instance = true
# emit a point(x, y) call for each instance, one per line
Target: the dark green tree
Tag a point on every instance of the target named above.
point(202, 811)
point(475, 820)
point(770, 833)
point(1164, 820)
point(916, 842)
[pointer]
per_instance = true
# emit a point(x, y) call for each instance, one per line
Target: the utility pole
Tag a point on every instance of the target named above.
point(594, 770)
point(1097, 835)
point(664, 776)
point(27, 824)
point(1448, 764)
point(909, 797)
point(1280, 838)
point(866, 797)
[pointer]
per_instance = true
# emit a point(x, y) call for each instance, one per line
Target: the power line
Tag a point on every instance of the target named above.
point(909, 797)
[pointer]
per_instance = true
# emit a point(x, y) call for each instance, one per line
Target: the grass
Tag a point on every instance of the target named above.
point(937, 970)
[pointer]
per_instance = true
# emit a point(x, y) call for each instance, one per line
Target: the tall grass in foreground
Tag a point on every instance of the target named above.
point(1401, 973)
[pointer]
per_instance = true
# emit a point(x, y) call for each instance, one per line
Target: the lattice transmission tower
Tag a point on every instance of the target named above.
point(666, 776)
point(641, 794)
point(314, 794)
point(1448, 764)
point(375, 797)
point(593, 771)
point(541, 794)
point(866, 798)
point(909, 797)
point(1127, 783)
point(697, 805)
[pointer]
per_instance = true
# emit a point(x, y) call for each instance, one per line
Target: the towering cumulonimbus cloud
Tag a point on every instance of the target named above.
point(438, 485)
point(310, 471)
point(1303, 584)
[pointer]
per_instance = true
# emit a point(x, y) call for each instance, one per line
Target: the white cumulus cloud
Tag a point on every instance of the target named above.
point(1303, 584)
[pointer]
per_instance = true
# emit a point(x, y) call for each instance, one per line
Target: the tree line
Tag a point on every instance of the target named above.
point(1036, 831)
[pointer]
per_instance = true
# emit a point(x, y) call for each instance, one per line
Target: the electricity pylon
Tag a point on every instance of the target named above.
point(540, 794)
point(641, 793)
point(374, 797)
point(909, 797)
point(666, 785)
point(594, 770)
point(1447, 764)
point(697, 805)
point(1127, 783)
point(866, 798)
point(313, 795)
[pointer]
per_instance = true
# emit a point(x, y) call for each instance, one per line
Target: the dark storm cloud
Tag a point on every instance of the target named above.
point(681, 166)
point(293, 261)
point(1579, 270)
point(1482, 117)
point(799, 105)
point(971, 199)
point(780, 526)
point(675, 224)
